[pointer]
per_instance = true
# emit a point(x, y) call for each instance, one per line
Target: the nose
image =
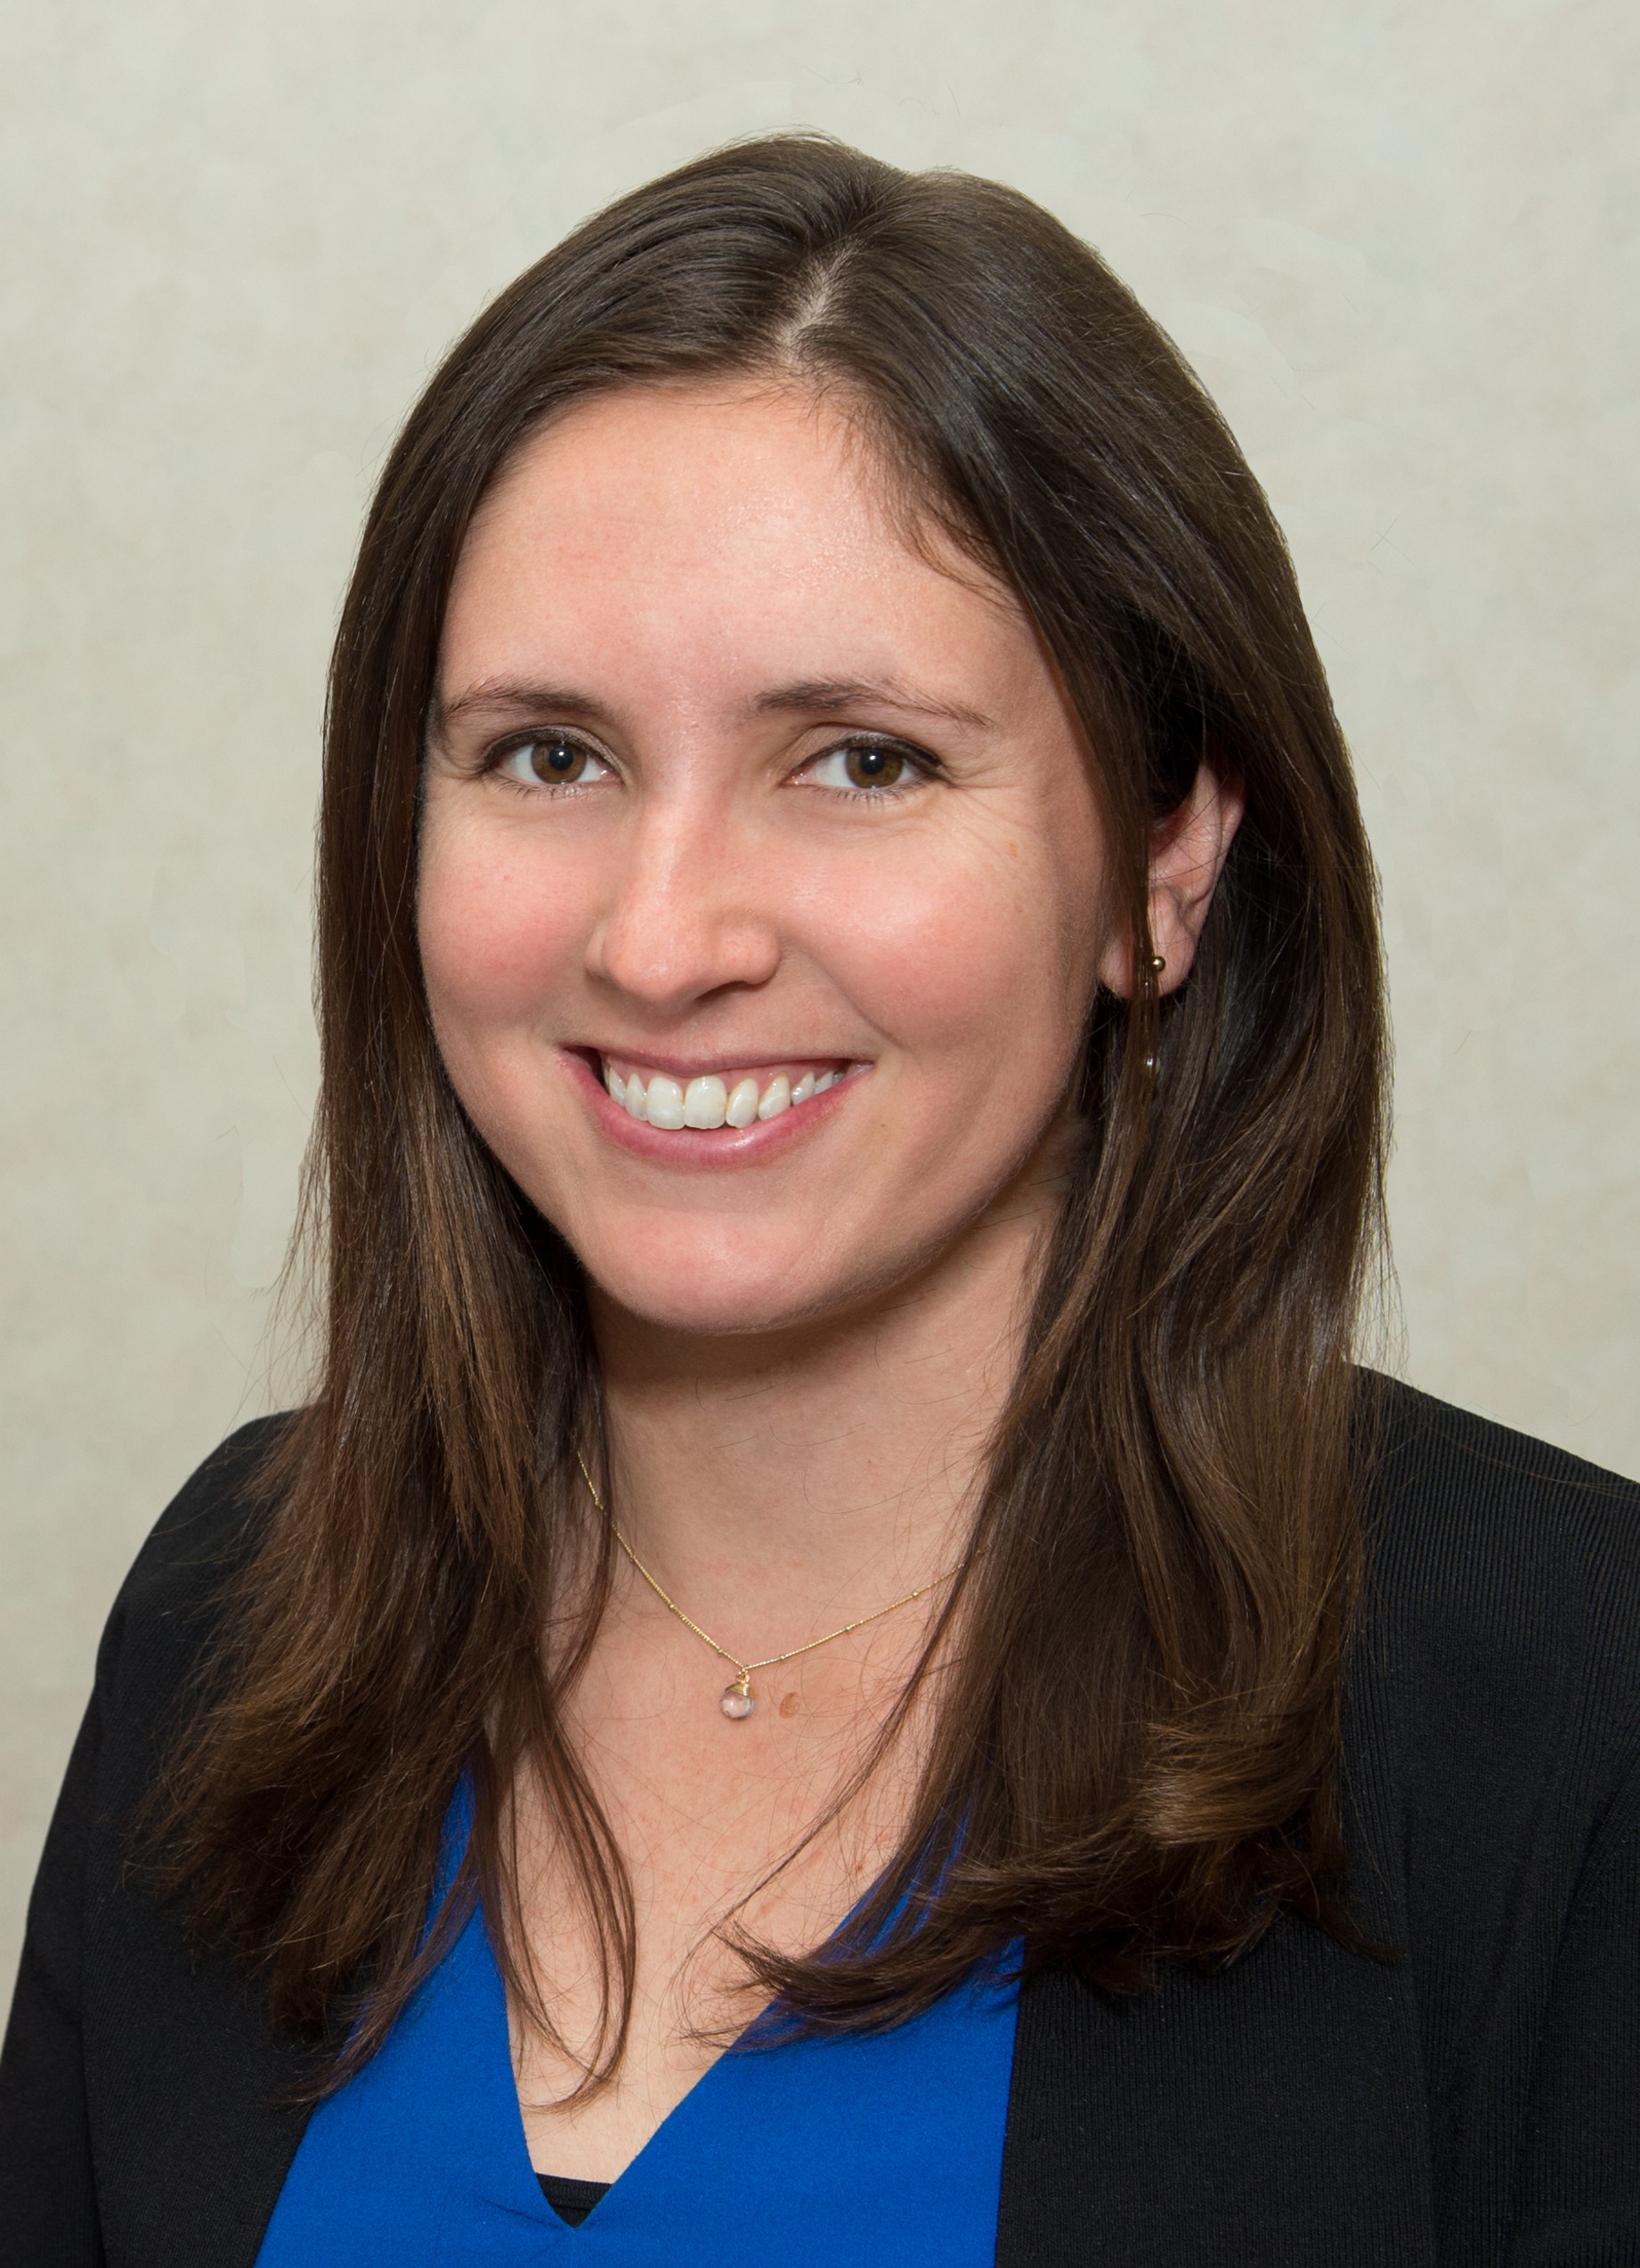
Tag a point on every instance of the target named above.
point(691, 910)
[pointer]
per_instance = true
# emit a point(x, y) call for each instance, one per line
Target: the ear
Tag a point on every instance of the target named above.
point(1188, 851)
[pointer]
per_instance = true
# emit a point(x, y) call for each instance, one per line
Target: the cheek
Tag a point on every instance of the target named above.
point(991, 951)
point(495, 936)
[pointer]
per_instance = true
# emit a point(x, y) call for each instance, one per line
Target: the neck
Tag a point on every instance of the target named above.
point(778, 1482)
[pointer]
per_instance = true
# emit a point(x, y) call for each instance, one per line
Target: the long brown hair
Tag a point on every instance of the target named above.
point(1133, 1760)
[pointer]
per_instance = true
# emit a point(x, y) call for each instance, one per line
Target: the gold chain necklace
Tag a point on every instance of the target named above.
point(735, 1700)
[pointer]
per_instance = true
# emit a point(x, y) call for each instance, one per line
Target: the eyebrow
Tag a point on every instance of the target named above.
point(507, 699)
point(827, 694)
point(815, 696)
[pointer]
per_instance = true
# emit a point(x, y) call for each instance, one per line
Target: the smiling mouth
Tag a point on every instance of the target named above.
point(735, 1099)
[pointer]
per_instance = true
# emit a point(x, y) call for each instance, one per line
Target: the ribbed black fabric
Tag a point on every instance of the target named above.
point(570, 2200)
point(1474, 2103)
point(144, 2113)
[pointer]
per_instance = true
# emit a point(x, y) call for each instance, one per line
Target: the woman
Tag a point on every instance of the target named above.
point(840, 1662)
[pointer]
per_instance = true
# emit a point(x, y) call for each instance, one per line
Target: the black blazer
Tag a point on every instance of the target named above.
point(1476, 2100)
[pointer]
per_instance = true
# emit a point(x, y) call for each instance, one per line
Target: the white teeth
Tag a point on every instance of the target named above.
point(742, 1107)
point(666, 1102)
point(709, 1101)
point(705, 1103)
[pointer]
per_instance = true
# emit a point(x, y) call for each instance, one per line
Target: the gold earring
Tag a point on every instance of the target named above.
point(1157, 963)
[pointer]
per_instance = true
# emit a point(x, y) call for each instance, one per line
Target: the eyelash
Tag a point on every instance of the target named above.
point(919, 761)
point(923, 767)
point(496, 758)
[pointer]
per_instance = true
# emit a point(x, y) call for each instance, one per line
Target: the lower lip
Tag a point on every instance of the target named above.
point(691, 1147)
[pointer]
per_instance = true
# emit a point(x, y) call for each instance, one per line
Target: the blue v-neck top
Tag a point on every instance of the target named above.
point(818, 2153)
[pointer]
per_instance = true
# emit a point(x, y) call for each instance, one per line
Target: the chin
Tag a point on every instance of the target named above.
point(739, 1311)
point(720, 1287)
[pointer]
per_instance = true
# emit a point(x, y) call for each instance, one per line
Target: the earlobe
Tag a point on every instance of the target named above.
point(1188, 849)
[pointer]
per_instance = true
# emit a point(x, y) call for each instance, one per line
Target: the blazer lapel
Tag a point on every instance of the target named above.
point(190, 2094)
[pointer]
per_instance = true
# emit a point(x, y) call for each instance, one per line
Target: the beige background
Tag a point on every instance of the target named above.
point(1397, 240)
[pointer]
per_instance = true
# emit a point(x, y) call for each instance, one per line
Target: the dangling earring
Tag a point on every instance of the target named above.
point(1157, 963)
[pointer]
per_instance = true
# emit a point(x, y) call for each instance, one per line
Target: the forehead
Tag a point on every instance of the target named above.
point(749, 530)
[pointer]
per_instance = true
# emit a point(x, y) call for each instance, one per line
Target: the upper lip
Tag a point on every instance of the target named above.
point(701, 1067)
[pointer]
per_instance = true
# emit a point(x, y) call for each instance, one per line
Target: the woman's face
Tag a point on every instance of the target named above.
point(760, 897)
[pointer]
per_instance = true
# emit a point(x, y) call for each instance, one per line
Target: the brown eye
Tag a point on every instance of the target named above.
point(557, 760)
point(869, 769)
point(867, 765)
point(553, 759)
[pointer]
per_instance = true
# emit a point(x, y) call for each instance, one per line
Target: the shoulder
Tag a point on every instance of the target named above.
point(1496, 1541)
point(212, 1517)
point(1494, 1712)
point(168, 1604)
